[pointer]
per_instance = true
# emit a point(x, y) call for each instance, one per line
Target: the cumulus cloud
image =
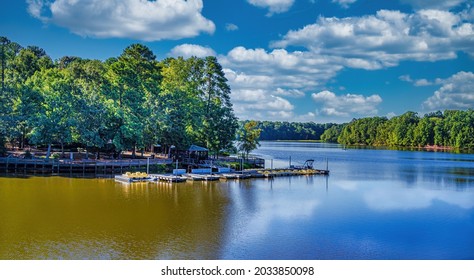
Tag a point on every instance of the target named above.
point(273, 6)
point(366, 42)
point(273, 78)
point(349, 105)
point(457, 92)
point(261, 105)
point(386, 38)
point(344, 3)
point(189, 50)
point(133, 19)
point(294, 70)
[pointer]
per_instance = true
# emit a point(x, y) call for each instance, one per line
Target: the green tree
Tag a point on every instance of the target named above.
point(93, 111)
point(25, 102)
point(54, 120)
point(249, 135)
point(219, 123)
point(178, 103)
point(135, 78)
point(332, 133)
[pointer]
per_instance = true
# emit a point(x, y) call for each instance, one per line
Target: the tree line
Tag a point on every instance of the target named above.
point(276, 130)
point(451, 128)
point(128, 102)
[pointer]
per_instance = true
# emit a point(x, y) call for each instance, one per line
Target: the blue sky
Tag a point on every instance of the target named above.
point(287, 60)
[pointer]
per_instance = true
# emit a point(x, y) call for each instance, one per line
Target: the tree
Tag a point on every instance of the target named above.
point(54, 120)
point(331, 134)
point(93, 111)
point(196, 93)
point(248, 138)
point(219, 123)
point(25, 101)
point(135, 78)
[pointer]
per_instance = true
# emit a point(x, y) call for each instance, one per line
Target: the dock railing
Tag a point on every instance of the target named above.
point(16, 165)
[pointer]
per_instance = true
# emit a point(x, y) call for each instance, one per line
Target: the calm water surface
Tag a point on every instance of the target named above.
point(376, 204)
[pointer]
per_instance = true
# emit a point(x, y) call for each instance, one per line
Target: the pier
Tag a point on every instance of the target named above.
point(236, 175)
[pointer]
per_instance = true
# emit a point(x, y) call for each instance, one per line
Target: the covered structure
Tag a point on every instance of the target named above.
point(197, 152)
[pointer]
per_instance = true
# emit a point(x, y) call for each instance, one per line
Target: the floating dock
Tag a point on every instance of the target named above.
point(241, 175)
point(168, 178)
point(126, 179)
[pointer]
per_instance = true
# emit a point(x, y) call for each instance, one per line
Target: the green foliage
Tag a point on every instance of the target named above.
point(453, 128)
point(330, 135)
point(291, 130)
point(125, 103)
point(249, 135)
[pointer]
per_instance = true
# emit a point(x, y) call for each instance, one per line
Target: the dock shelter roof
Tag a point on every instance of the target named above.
point(195, 148)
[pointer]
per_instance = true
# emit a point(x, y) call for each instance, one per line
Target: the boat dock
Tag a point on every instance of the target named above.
point(178, 176)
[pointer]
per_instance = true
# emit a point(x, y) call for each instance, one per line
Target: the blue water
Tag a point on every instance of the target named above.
point(376, 204)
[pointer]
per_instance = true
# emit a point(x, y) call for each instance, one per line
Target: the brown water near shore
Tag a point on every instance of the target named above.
point(71, 218)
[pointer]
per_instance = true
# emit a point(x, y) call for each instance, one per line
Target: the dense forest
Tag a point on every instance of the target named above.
point(290, 130)
point(451, 128)
point(124, 103)
point(134, 101)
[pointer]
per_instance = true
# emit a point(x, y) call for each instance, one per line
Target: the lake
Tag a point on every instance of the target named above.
point(376, 204)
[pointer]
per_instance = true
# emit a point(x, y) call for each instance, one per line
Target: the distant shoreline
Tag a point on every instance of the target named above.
point(423, 148)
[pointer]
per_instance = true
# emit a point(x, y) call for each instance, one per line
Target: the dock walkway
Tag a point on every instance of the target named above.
point(240, 175)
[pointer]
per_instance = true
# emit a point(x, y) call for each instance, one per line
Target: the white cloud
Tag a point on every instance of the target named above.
point(419, 82)
point(189, 50)
point(344, 3)
point(289, 92)
point(433, 4)
point(257, 104)
point(272, 78)
point(231, 27)
point(133, 19)
point(405, 78)
point(457, 92)
point(331, 44)
point(292, 70)
point(422, 83)
point(385, 39)
point(349, 105)
point(273, 6)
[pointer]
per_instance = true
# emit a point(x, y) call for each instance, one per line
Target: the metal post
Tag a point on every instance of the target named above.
point(290, 162)
point(327, 164)
point(176, 164)
point(272, 164)
point(147, 165)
